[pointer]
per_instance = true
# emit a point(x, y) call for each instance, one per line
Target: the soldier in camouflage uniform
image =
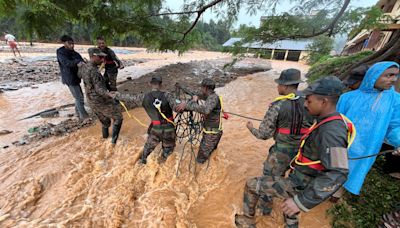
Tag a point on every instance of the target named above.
point(99, 99)
point(159, 106)
point(286, 121)
point(320, 167)
point(212, 111)
point(112, 64)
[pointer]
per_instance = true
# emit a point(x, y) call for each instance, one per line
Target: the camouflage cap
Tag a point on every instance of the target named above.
point(289, 77)
point(208, 82)
point(327, 86)
point(156, 79)
point(96, 51)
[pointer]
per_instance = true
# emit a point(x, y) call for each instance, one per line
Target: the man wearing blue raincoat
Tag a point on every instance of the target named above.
point(374, 109)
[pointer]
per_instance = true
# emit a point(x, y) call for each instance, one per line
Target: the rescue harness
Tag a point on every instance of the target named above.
point(301, 160)
point(222, 114)
point(157, 104)
point(294, 130)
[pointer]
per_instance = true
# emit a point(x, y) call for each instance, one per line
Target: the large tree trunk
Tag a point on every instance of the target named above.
point(390, 52)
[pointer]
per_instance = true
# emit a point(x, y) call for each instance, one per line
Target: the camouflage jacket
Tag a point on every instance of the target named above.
point(284, 114)
point(328, 143)
point(211, 110)
point(95, 86)
point(135, 99)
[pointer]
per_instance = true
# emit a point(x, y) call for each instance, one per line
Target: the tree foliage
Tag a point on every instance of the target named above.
point(320, 47)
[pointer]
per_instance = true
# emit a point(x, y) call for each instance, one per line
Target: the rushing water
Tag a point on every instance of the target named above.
point(80, 180)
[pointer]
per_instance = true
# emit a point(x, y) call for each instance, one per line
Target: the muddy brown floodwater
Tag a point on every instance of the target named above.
point(80, 180)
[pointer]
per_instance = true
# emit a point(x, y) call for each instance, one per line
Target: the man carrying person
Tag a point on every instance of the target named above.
point(99, 99)
point(12, 42)
point(69, 60)
point(374, 109)
point(319, 168)
point(112, 64)
point(159, 105)
point(213, 114)
point(286, 121)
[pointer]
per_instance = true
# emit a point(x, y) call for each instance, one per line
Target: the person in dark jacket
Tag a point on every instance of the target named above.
point(69, 60)
point(112, 64)
point(159, 106)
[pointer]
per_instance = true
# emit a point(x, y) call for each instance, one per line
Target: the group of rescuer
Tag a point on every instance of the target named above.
point(308, 162)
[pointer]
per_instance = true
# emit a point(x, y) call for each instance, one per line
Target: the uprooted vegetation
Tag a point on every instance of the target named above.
point(334, 65)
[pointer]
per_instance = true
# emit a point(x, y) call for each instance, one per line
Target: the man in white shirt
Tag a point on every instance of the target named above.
point(10, 39)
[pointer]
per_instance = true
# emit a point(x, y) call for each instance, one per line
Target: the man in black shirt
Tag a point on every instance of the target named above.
point(69, 60)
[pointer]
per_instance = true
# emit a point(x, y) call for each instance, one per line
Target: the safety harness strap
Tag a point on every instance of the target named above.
point(158, 122)
point(303, 161)
point(221, 115)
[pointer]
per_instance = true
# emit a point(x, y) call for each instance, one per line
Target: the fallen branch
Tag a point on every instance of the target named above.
point(48, 110)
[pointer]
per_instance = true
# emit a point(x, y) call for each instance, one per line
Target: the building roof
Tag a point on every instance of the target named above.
point(300, 45)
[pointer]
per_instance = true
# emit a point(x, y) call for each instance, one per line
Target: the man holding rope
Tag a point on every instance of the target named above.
point(159, 105)
point(99, 99)
point(286, 121)
point(319, 168)
point(213, 113)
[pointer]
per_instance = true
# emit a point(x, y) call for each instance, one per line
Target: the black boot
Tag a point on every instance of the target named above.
point(115, 132)
point(104, 130)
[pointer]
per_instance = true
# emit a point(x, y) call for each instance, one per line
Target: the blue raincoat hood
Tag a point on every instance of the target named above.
point(373, 73)
point(376, 117)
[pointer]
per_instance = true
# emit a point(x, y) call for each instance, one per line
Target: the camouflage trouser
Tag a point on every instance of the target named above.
point(106, 115)
point(278, 160)
point(208, 144)
point(260, 191)
point(165, 136)
point(111, 79)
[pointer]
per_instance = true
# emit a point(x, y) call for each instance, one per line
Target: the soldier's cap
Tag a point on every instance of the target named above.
point(156, 79)
point(327, 86)
point(96, 51)
point(208, 82)
point(289, 76)
point(356, 75)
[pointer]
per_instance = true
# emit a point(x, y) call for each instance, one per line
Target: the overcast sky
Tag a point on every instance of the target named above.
point(255, 19)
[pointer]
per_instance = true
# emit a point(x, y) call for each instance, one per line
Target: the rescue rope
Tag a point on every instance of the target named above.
point(132, 116)
point(245, 117)
point(373, 155)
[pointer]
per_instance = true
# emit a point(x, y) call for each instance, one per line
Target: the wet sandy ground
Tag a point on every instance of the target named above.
point(81, 181)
